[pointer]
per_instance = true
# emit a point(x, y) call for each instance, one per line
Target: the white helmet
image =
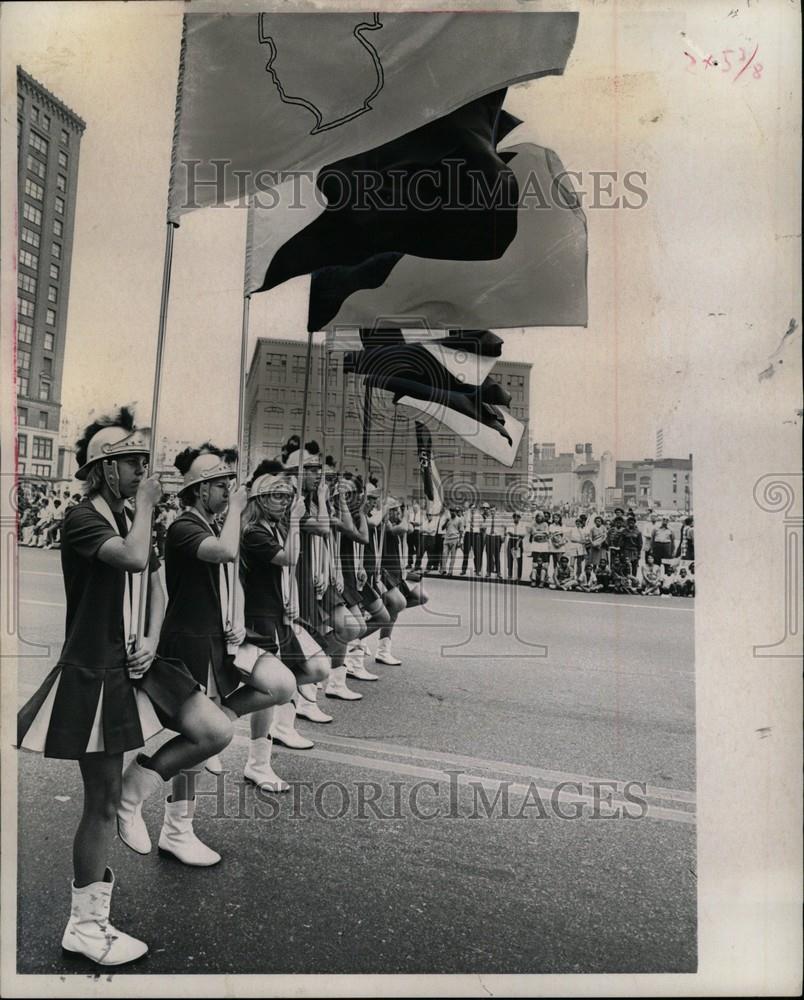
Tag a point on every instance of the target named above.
point(115, 442)
point(309, 459)
point(268, 484)
point(207, 467)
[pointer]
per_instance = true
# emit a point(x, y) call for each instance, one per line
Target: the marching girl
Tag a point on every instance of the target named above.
point(398, 593)
point(269, 554)
point(196, 630)
point(344, 625)
point(311, 584)
point(108, 694)
point(364, 603)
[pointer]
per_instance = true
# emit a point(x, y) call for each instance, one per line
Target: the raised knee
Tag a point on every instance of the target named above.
point(318, 667)
point(220, 733)
point(285, 689)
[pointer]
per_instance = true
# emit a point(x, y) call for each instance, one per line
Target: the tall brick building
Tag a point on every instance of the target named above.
point(49, 137)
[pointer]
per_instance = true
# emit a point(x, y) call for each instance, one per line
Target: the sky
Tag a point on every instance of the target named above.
point(614, 383)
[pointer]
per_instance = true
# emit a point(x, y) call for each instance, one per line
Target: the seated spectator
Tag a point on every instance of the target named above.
point(53, 530)
point(622, 581)
point(652, 577)
point(587, 580)
point(683, 584)
point(603, 574)
point(564, 576)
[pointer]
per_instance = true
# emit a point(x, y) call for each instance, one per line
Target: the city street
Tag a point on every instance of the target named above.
point(472, 814)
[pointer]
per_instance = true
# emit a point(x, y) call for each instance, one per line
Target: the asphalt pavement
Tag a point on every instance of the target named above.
point(517, 797)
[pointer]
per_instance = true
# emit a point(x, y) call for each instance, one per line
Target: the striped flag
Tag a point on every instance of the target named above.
point(540, 280)
point(453, 385)
point(261, 94)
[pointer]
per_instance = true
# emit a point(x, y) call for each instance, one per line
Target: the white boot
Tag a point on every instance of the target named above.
point(138, 783)
point(384, 654)
point(89, 932)
point(356, 666)
point(258, 768)
point(178, 837)
point(307, 707)
point(336, 686)
point(283, 730)
point(214, 764)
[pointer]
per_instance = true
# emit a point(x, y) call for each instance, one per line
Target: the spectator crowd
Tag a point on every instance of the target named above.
point(611, 552)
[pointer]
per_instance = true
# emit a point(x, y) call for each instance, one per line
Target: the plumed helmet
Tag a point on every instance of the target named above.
point(115, 442)
point(207, 467)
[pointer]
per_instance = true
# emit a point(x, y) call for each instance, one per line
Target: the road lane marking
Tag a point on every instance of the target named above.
point(618, 604)
point(490, 784)
point(43, 604)
point(37, 572)
point(533, 773)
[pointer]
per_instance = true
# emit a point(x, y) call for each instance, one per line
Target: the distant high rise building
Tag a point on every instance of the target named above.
point(48, 141)
point(659, 443)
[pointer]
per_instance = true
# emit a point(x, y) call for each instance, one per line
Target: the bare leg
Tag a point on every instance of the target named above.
point(101, 774)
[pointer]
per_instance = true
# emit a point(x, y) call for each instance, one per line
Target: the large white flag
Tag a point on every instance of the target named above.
point(264, 93)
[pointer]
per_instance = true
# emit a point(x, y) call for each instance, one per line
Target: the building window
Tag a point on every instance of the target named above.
point(38, 142)
point(50, 318)
point(47, 366)
point(49, 340)
point(42, 448)
point(24, 333)
point(61, 182)
point(22, 445)
point(41, 470)
point(22, 417)
point(26, 308)
point(32, 214)
point(60, 206)
point(43, 424)
point(30, 237)
point(35, 166)
point(52, 294)
point(44, 389)
point(34, 190)
point(35, 114)
point(20, 102)
point(65, 137)
point(55, 250)
point(22, 385)
point(58, 227)
point(62, 159)
point(27, 283)
point(24, 360)
point(54, 272)
point(29, 259)
point(46, 122)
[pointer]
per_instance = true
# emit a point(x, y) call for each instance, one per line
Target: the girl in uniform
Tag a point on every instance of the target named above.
point(345, 626)
point(270, 549)
point(540, 547)
point(197, 629)
point(110, 692)
point(398, 593)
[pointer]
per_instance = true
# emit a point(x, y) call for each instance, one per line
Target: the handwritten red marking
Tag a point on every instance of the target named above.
point(747, 64)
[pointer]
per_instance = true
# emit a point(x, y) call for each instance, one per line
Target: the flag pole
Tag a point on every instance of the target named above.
point(231, 609)
point(304, 408)
point(385, 483)
point(160, 348)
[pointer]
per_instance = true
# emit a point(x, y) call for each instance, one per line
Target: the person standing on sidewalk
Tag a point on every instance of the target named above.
point(515, 535)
